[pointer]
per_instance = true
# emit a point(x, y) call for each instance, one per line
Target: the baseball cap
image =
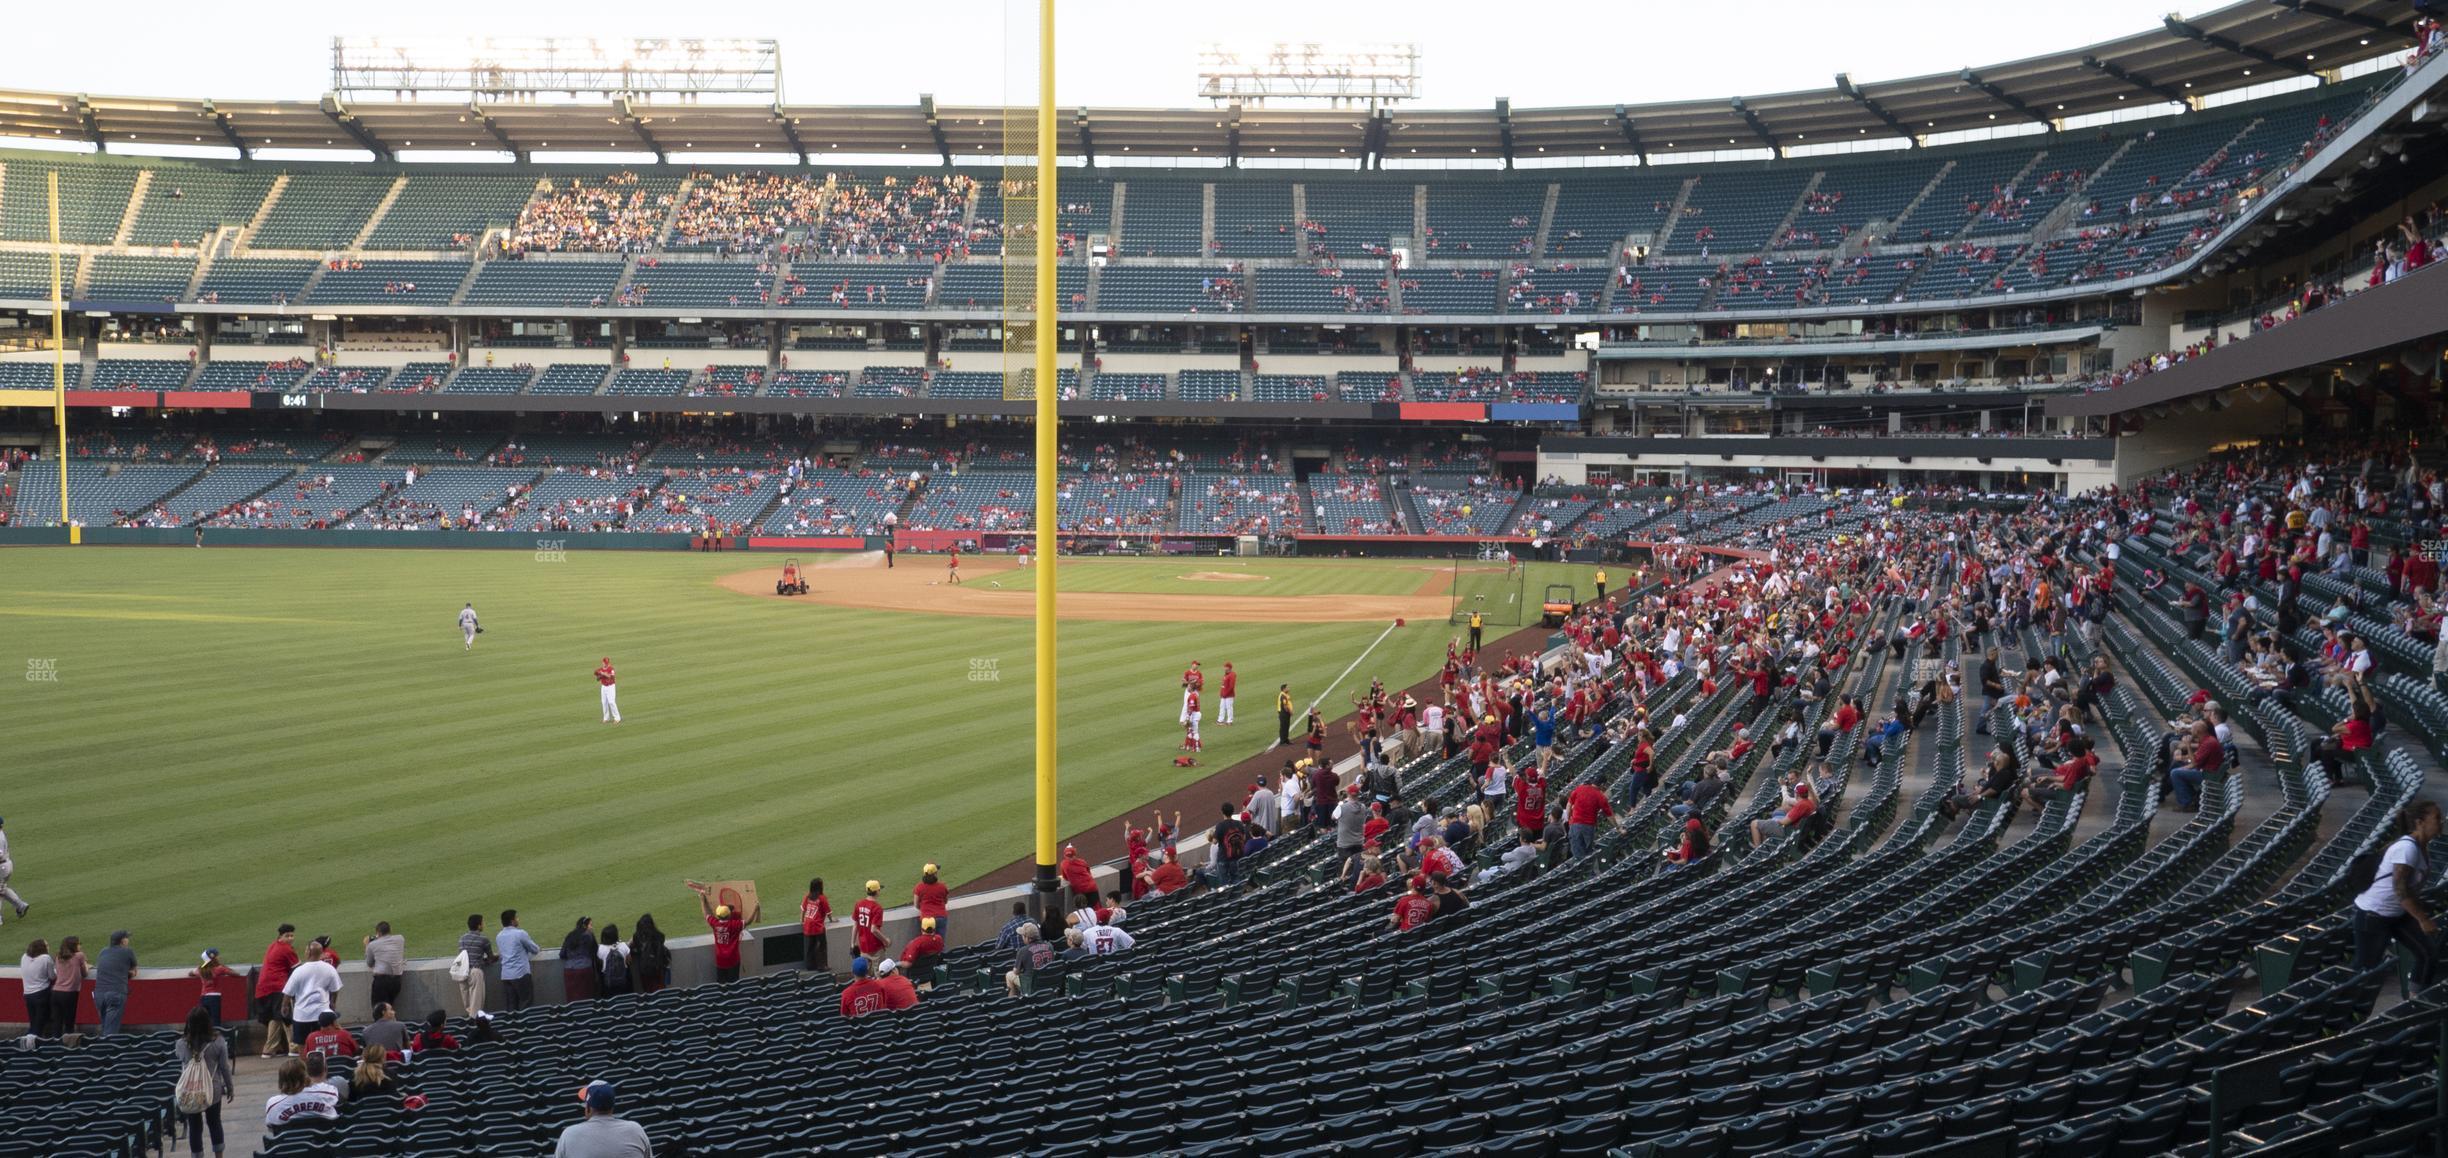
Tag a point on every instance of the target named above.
point(722, 910)
point(926, 924)
point(209, 954)
point(875, 886)
point(859, 967)
point(1068, 849)
point(930, 867)
point(598, 1096)
point(886, 965)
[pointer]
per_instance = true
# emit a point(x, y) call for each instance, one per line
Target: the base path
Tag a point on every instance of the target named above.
point(917, 584)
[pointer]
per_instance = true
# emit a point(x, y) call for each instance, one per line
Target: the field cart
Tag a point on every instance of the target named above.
point(792, 582)
point(1558, 605)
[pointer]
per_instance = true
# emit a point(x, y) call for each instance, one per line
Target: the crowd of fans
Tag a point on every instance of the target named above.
point(610, 215)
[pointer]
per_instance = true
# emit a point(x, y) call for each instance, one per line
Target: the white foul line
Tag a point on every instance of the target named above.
point(1355, 663)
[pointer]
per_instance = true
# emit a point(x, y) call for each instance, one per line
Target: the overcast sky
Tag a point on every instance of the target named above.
point(1114, 53)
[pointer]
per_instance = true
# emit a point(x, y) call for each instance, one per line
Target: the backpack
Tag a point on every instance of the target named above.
point(196, 1090)
point(1236, 838)
point(616, 970)
point(2364, 870)
point(461, 967)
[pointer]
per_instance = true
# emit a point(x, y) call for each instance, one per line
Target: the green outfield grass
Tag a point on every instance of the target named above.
point(1173, 575)
point(237, 738)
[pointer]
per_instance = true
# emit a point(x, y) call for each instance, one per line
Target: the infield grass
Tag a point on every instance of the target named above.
point(241, 737)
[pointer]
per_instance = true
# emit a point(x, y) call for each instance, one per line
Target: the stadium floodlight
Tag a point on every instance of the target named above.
point(550, 69)
point(1363, 76)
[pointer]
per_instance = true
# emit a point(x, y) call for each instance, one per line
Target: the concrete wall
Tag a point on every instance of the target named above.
point(1167, 363)
point(1317, 365)
point(850, 361)
point(544, 356)
point(161, 997)
point(159, 351)
point(229, 537)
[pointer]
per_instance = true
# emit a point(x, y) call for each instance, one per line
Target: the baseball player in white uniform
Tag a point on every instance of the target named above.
point(467, 626)
point(8, 866)
point(611, 701)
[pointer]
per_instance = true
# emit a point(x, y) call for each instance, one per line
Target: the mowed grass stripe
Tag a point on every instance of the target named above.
point(201, 781)
point(1269, 576)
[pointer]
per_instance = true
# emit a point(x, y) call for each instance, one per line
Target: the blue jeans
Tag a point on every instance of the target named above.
point(110, 1006)
point(2187, 783)
point(2373, 933)
point(1583, 837)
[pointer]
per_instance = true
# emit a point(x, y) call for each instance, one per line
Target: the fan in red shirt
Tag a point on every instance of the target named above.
point(330, 1039)
point(815, 911)
point(726, 925)
point(1079, 878)
point(1585, 804)
point(1414, 908)
point(1376, 825)
point(864, 994)
point(867, 921)
point(1529, 800)
point(923, 950)
point(280, 957)
point(931, 897)
point(1168, 877)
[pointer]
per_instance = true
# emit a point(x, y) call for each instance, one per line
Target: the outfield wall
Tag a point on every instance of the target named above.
point(236, 537)
point(160, 997)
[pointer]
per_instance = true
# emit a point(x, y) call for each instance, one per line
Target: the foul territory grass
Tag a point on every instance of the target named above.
point(1218, 575)
point(236, 738)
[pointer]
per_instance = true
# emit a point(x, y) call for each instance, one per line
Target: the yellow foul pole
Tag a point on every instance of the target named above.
point(59, 358)
point(1048, 248)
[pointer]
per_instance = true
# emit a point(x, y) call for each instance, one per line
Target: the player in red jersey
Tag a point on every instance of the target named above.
point(605, 676)
point(1224, 696)
point(1192, 681)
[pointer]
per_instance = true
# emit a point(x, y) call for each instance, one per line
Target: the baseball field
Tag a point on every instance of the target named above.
point(205, 743)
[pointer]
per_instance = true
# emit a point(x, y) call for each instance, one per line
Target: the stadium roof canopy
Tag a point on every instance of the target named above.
point(2240, 45)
